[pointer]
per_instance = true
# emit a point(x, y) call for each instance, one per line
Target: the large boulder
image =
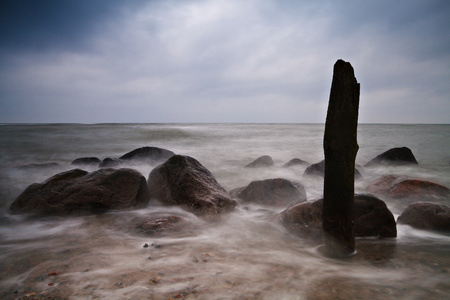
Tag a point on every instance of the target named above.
point(262, 161)
point(401, 187)
point(151, 155)
point(79, 192)
point(426, 215)
point(394, 156)
point(277, 192)
point(372, 218)
point(183, 181)
point(318, 169)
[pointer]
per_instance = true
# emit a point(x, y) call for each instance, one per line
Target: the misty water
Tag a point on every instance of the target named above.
point(246, 255)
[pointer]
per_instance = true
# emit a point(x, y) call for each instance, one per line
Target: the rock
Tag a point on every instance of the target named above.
point(400, 187)
point(427, 216)
point(394, 156)
point(79, 192)
point(148, 154)
point(86, 161)
point(295, 162)
point(48, 165)
point(110, 163)
point(277, 192)
point(160, 225)
point(372, 218)
point(262, 161)
point(319, 170)
point(304, 219)
point(182, 180)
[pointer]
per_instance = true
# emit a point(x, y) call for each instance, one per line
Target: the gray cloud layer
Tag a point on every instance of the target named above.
point(221, 61)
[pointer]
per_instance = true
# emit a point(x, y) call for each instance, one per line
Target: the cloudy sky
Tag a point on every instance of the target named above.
point(221, 61)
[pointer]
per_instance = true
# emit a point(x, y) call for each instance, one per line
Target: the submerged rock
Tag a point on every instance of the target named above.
point(262, 161)
point(427, 216)
point(372, 218)
point(148, 154)
point(400, 187)
point(79, 192)
point(277, 192)
point(161, 224)
point(295, 162)
point(182, 180)
point(394, 156)
point(86, 161)
point(318, 169)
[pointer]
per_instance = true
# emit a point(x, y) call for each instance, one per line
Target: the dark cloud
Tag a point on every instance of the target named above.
point(28, 25)
point(220, 61)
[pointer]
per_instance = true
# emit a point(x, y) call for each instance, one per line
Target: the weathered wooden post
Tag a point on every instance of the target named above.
point(340, 147)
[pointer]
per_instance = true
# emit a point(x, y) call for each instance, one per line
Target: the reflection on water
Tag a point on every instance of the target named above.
point(246, 255)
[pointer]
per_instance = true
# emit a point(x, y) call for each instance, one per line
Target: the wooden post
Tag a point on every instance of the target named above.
point(340, 147)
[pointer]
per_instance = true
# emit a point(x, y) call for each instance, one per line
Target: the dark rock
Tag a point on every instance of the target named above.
point(86, 161)
point(295, 162)
point(262, 161)
point(277, 192)
point(79, 192)
point(400, 187)
point(110, 163)
point(319, 170)
point(148, 154)
point(304, 219)
point(394, 156)
point(427, 216)
point(182, 180)
point(372, 218)
point(48, 165)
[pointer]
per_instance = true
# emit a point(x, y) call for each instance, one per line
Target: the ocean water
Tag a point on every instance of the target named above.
point(248, 255)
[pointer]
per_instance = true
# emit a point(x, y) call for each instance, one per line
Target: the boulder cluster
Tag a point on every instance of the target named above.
point(182, 181)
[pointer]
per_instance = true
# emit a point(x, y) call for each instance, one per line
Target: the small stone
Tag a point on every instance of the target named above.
point(145, 245)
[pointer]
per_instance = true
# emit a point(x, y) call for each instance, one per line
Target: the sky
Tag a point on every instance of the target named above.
point(195, 61)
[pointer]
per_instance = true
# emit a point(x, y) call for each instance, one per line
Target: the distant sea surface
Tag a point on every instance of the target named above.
point(249, 255)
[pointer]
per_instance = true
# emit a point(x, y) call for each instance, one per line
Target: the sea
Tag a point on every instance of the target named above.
point(248, 254)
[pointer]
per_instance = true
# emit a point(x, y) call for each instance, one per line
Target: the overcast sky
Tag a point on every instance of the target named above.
point(221, 61)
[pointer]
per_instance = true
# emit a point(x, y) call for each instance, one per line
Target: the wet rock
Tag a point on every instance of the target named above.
point(277, 192)
point(79, 192)
point(262, 161)
point(295, 162)
point(110, 163)
point(182, 180)
point(304, 219)
point(318, 169)
point(372, 218)
point(401, 187)
point(394, 156)
point(86, 161)
point(427, 216)
point(148, 154)
point(159, 225)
